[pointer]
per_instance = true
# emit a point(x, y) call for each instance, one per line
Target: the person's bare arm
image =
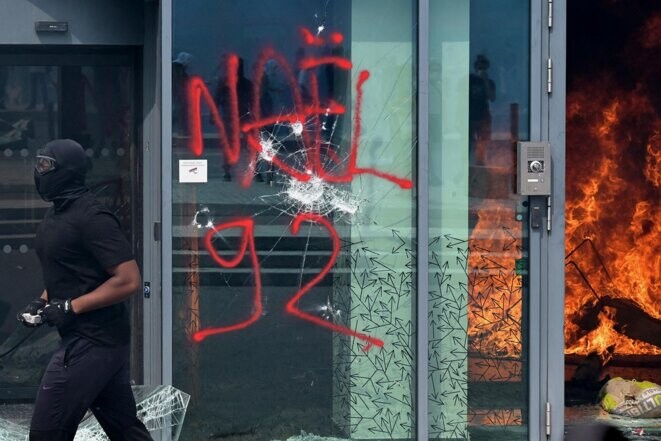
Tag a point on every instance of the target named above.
point(124, 281)
point(44, 295)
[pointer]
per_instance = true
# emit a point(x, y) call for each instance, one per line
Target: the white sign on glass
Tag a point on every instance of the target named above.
point(192, 170)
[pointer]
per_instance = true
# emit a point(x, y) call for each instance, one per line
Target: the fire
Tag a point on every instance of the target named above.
point(599, 339)
point(613, 222)
point(495, 305)
point(613, 184)
point(653, 166)
point(495, 295)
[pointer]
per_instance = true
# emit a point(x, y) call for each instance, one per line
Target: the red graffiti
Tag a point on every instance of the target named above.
point(292, 305)
point(229, 137)
point(311, 39)
point(248, 241)
point(315, 40)
point(303, 114)
point(312, 62)
point(197, 91)
point(336, 38)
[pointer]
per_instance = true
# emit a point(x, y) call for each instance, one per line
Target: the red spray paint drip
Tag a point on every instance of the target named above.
point(310, 39)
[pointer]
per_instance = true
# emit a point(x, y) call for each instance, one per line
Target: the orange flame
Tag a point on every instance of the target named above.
point(613, 182)
point(495, 295)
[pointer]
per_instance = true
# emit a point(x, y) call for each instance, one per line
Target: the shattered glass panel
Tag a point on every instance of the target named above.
point(159, 408)
point(294, 261)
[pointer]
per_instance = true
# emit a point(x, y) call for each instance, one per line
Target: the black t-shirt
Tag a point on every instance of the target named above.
point(75, 246)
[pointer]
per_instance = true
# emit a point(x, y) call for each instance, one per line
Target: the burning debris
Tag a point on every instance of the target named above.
point(613, 215)
point(614, 207)
point(495, 289)
point(622, 315)
point(593, 324)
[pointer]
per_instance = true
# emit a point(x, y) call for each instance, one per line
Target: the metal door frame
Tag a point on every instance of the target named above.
point(547, 246)
point(166, 187)
point(535, 360)
point(555, 268)
point(153, 342)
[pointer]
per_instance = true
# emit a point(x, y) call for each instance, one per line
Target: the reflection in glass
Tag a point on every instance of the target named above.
point(293, 311)
point(478, 110)
point(95, 106)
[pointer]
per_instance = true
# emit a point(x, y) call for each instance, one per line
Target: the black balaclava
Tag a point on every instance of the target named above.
point(67, 181)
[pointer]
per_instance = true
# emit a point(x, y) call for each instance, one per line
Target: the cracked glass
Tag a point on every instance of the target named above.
point(294, 149)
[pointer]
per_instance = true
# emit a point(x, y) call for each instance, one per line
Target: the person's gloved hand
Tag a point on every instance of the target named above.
point(32, 308)
point(58, 312)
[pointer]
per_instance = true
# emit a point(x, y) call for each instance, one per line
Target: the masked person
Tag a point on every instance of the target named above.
point(89, 271)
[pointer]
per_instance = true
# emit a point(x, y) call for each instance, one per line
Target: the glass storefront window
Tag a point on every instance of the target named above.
point(294, 127)
point(478, 109)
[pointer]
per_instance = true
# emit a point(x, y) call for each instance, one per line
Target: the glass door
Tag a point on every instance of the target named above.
point(293, 218)
point(479, 107)
point(46, 93)
point(295, 306)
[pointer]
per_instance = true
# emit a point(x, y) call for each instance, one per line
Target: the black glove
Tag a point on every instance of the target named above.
point(33, 308)
point(58, 312)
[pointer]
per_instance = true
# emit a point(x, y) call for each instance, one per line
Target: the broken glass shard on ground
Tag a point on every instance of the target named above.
point(311, 437)
point(159, 408)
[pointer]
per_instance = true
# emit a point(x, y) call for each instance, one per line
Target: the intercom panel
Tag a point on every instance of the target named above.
point(534, 168)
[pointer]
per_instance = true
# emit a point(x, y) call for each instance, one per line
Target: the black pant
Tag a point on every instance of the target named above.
point(82, 376)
